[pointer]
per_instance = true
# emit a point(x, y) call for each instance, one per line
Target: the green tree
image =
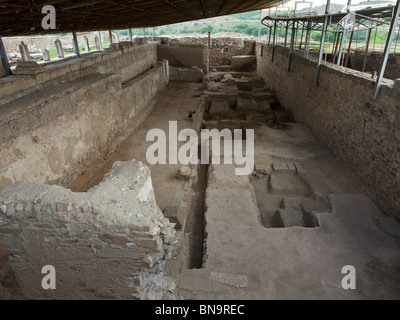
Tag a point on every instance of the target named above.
point(206, 29)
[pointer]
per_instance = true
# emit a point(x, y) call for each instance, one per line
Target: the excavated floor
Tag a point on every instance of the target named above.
point(287, 230)
point(284, 232)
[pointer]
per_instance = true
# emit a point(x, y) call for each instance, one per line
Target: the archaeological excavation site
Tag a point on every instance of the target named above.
point(210, 166)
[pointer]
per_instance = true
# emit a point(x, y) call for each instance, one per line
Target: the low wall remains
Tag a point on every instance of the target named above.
point(364, 133)
point(374, 63)
point(223, 49)
point(108, 243)
point(184, 55)
point(57, 122)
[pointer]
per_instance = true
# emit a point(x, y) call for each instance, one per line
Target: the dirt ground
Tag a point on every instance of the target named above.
point(284, 232)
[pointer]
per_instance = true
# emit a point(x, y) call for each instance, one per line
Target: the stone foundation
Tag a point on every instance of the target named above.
point(56, 123)
point(110, 242)
point(341, 112)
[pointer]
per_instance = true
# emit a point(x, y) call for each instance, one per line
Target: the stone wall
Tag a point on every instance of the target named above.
point(341, 112)
point(55, 123)
point(108, 243)
point(193, 74)
point(184, 55)
point(223, 49)
point(2, 69)
point(374, 63)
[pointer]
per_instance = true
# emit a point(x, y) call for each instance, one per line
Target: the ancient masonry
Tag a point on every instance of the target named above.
point(110, 242)
point(60, 119)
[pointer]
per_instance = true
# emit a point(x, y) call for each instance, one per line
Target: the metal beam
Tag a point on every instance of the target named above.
point(366, 49)
point(301, 37)
point(273, 43)
point(179, 9)
point(204, 8)
point(221, 7)
point(291, 47)
point(269, 35)
point(130, 34)
point(344, 33)
point(286, 32)
point(76, 45)
point(348, 49)
point(321, 48)
point(336, 46)
point(100, 42)
point(389, 40)
point(4, 58)
point(306, 41)
point(110, 36)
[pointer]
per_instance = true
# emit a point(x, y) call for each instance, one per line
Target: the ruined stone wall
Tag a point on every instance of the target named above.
point(341, 112)
point(108, 243)
point(2, 69)
point(223, 49)
point(184, 55)
point(129, 63)
point(56, 123)
point(374, 63)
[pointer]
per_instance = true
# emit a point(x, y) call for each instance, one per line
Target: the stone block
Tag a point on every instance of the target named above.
point(244, 105)
point(153, 244)
point(176, 215)
point(244, 85)
point(244, 63)
point(28, 67)
point(219, 109)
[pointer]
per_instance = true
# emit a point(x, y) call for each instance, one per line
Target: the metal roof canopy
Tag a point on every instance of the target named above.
point(22, 17)
point(368, 13)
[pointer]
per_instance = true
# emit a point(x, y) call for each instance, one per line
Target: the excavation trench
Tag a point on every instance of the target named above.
point(195, 223)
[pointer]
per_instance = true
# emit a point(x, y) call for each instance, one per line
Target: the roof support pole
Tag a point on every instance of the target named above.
point(346, 19)
point(348, 49)
point(259, 24)
point(273, 42)
point(334, 43)
point(376, 31)
point(76, 45)
point(130, 34)
point(100, 42)
point(4, 59)
point(397, 39)
point(269, 36)
point(389, 40)
point(301, 37)
point(286, 32)
point(366, 49)
point(336, 46)
point(291, 47)
point(306, 41)
point(110, 36)
point(321, 47)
